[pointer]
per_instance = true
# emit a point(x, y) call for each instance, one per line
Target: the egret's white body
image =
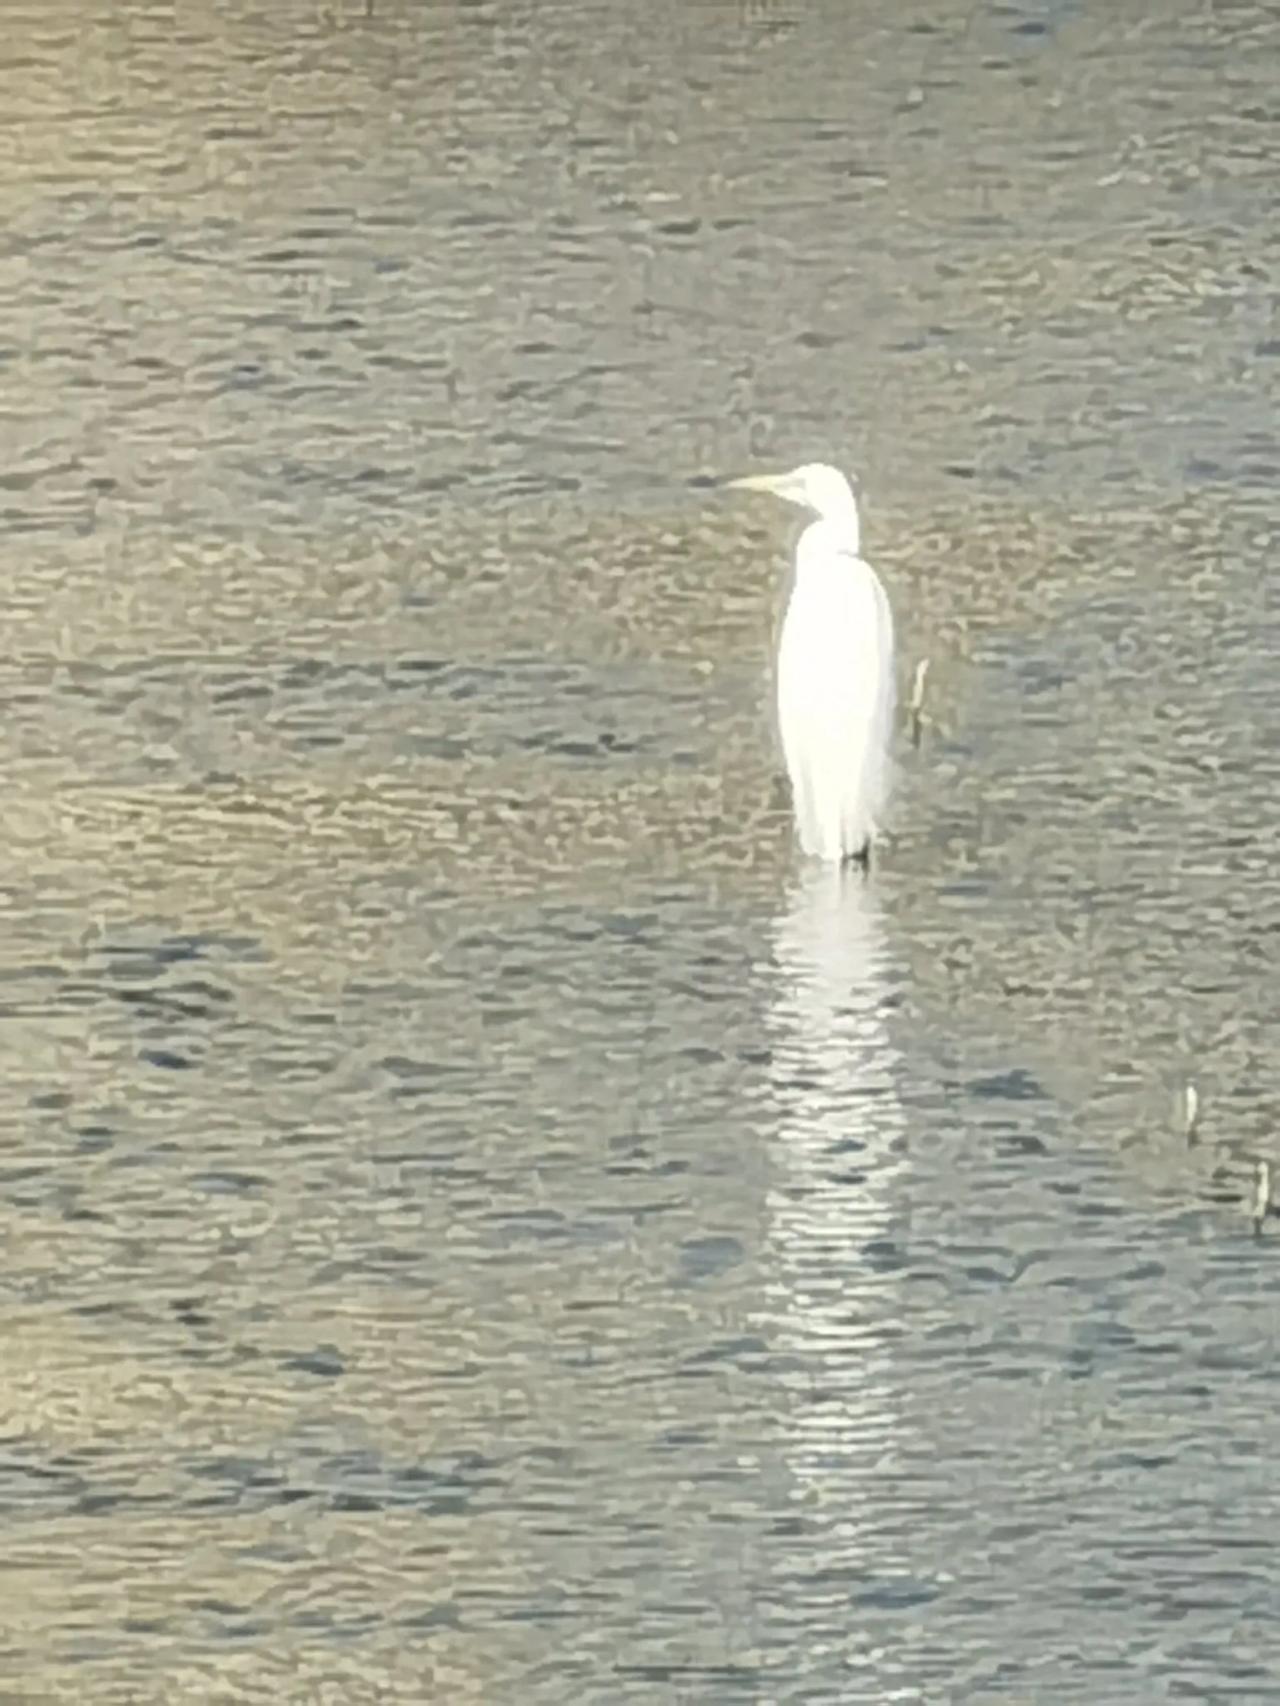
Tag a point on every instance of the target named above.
point(835, 671)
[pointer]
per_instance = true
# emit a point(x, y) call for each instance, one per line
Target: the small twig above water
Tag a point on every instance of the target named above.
point(1190, 1112)
point(915, 706)
point(1261, 1195)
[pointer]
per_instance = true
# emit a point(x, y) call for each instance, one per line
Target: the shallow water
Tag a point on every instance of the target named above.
point(483, 1222)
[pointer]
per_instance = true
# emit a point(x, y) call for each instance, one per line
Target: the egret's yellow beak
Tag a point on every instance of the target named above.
point(760, 483)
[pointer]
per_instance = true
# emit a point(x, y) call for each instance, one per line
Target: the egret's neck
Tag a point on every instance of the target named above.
point(840, 526)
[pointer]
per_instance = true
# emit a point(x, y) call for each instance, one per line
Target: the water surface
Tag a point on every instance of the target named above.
point(483, 1222)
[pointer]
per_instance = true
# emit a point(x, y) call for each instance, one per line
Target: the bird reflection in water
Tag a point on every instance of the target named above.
point(834, 1080)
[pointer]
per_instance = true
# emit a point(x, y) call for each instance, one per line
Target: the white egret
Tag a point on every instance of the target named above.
point(835, 680)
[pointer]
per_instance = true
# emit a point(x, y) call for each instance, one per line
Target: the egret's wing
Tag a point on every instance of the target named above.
point(886, 693)
point(872, 683)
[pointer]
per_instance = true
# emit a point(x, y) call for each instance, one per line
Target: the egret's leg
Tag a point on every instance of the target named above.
point(802, 806)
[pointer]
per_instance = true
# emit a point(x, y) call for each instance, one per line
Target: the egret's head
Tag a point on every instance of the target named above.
point(814, 486)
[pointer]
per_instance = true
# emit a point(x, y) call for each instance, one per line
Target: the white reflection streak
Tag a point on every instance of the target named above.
point(834, 1075)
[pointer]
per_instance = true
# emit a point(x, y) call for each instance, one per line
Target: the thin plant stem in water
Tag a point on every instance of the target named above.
point(1261, 1195)
point(1190, 1112)
point(915, 705)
